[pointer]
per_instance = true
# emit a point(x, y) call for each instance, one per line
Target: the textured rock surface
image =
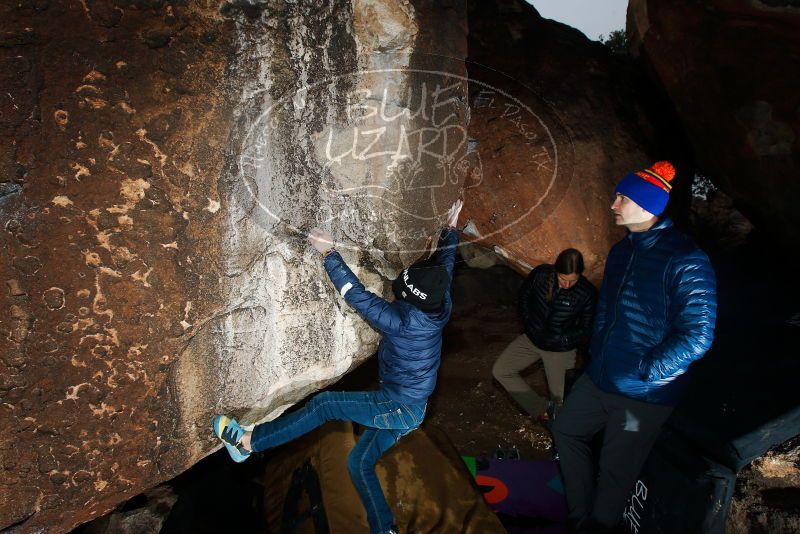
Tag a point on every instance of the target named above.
point(553, 146)
point(160, 165)
point(768, 493)
point(730, 67)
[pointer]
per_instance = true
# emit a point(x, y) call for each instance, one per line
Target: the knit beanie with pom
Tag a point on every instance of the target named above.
point(649, 188)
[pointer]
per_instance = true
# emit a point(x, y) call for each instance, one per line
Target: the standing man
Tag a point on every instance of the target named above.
point(655, 316)
point(408, 360)
point(557, 308)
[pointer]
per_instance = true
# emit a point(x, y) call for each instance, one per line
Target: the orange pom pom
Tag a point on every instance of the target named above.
point(664, 169)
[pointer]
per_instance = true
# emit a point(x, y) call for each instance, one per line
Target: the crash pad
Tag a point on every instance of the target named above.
point(521, 488)
point(308, 488)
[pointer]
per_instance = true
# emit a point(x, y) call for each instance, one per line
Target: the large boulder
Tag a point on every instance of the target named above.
point(556, 120)
point(730, 68)
point(161, 164)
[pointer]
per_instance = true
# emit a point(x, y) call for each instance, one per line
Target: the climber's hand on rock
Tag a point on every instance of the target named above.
point(320, 240)
point(455, 210)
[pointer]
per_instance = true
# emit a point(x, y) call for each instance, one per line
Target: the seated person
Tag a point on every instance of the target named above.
point(557, 308)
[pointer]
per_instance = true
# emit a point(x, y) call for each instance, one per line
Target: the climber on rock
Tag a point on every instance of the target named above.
point(408, 357)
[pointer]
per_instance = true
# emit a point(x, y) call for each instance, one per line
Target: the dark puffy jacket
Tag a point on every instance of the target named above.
point(410, 350)
point(558, 325)
point(655, 315)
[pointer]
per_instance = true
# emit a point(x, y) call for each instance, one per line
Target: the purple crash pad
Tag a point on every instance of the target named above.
point(521, 488)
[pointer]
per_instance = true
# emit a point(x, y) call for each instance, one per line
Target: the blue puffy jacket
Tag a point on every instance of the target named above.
point(411, 348)
point(655, 315)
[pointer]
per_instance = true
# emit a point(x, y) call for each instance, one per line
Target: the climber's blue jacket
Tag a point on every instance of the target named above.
point(655, 315)
point(410, 350)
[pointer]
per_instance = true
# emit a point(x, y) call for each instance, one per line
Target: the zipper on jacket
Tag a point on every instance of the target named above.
point(616, 312)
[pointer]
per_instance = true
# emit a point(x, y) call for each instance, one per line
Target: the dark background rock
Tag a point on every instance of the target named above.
point(548, 172)
point(730, 69)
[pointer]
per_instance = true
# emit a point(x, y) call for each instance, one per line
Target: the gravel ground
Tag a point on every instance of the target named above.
point(475, 412)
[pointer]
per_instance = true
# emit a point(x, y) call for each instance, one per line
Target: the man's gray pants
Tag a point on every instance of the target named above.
point(631, 428)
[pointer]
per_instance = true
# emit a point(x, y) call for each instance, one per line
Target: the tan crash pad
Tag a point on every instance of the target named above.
point(425, 481)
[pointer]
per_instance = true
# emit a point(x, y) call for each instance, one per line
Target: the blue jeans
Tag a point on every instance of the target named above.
point(386, 421)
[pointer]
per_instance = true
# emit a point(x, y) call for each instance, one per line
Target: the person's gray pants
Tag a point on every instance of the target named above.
point(522, 353)
point(631, 427)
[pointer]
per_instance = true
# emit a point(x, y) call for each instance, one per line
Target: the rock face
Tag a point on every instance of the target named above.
point(766, 493)
point(730, 68)
point(557, 123)
point(161, 164)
